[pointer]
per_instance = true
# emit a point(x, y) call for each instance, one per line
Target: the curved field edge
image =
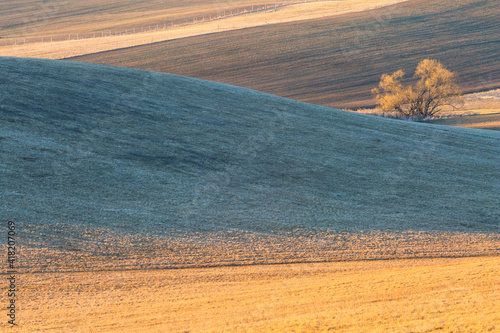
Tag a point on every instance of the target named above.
point(31, 18)
point(335, 61)
point(86, 42)
point(123, 168)
point(418, 295)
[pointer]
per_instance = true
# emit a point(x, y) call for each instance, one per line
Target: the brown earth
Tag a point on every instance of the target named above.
point(30, 18)
point(335, 61)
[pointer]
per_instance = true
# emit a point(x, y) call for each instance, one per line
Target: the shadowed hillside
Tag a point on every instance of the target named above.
point(139, 168)
point(336, 61)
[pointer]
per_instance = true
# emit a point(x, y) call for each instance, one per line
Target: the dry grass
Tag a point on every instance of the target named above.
point(447, 295)
point(72, 48)
point(480, 103)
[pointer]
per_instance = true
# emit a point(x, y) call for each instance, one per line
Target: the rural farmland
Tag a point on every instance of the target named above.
point(205, 180)
point(335, 61)
point(447, 295)
point(37, 39)
point(131, 170)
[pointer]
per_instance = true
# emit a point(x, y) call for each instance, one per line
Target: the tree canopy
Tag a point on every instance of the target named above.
point(436, 87)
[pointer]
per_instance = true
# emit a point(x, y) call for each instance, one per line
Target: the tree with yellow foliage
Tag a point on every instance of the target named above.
point(435, 88)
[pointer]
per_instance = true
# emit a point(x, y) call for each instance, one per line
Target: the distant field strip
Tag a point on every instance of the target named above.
point(174, 20)
point(137, 22)
point(424, 295)
point(479, 110)
point(483, 125)
point(92, 42)
point(61, 17)
point(487, 121)
point(335, 61)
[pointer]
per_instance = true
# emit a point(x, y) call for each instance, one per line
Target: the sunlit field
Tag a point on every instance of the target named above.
point(490, 121)
point(478, 110)
point(200, 172)
point(110, 41)
point(446, 295)
point(334, 61)
point(87, 16)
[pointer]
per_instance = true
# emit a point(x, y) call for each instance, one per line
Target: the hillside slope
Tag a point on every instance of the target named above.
point(336, 61)
point(101, 163)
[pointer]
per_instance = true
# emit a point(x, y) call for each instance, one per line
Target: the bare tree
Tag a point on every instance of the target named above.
point(435, 88)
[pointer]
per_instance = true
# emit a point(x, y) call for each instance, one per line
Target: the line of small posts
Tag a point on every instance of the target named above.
point(155, 27)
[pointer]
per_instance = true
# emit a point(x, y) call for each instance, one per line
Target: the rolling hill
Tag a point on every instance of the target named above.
point(105, 167)
point(335, 61)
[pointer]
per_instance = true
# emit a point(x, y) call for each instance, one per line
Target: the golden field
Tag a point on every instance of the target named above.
point(147, 202)
point(112, 41)
point(334, 61)
point(419, 295)
point(69, 17)
point(479, 110)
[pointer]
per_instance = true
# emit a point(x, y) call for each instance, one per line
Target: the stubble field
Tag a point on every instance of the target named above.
point(140, 211)
point(445, 295)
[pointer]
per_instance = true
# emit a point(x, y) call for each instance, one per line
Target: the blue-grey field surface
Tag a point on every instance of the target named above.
point(106, 167)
